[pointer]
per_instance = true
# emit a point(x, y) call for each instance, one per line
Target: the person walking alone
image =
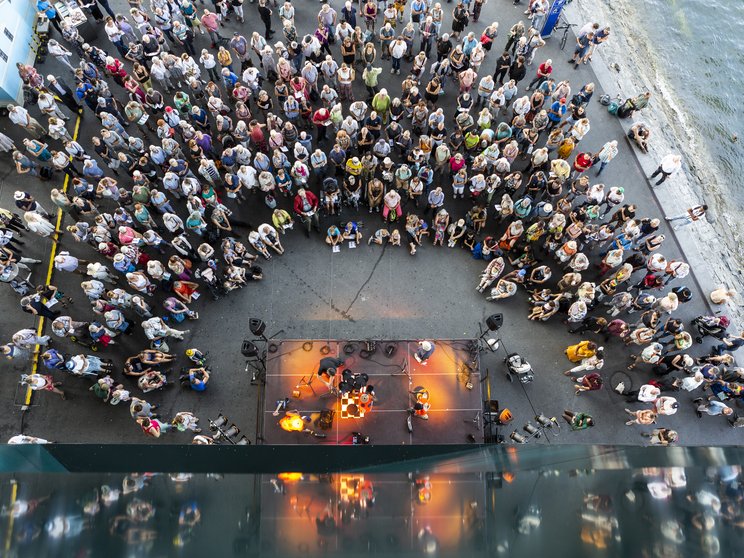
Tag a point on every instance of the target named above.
point(668, 166)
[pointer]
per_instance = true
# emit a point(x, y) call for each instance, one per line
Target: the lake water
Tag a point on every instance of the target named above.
point(698, 47)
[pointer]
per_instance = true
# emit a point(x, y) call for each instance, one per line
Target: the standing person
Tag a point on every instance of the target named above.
point(153, 427)
point(693, 214)
point(608, 152)
point(670, 164)
point(543, 73)
point(21, 117)
point(503, 64)
point(61, 90)
point(211, 23)
point(61, 54)
point(264, 13)
point(583, 42)
point(713, 408)
point(460, 19)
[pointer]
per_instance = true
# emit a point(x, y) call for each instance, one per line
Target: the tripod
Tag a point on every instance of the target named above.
point(258, 369)
point(403, 371)
point(475, 420)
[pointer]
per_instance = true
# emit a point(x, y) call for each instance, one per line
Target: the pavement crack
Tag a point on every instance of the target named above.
point(309, 287)
point(371, 273)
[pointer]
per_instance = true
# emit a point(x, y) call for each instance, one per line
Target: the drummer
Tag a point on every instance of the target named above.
point(329, 366)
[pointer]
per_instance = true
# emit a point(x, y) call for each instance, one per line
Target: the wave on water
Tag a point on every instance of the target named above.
point(704, 143)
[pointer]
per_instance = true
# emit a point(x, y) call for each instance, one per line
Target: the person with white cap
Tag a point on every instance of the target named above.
point(424, 351)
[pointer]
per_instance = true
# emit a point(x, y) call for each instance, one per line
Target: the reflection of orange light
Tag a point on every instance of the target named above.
point(508, 477)
point(289, 477)
point(292, 423)
point(424, 490)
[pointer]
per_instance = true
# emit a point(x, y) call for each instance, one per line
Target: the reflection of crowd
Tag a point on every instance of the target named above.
point(187, 143)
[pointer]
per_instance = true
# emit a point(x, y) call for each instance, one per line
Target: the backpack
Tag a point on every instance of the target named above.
point(613, 107)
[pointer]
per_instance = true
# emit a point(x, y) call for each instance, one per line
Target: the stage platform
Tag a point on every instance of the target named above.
point(454, 417)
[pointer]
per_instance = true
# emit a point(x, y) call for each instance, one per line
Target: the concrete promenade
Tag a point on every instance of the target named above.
point(364, 293)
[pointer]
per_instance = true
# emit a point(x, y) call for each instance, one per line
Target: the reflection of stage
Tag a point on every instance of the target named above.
point(355, 514)
point(453, 415)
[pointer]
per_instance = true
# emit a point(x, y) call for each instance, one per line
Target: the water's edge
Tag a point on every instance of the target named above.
point(713, 248)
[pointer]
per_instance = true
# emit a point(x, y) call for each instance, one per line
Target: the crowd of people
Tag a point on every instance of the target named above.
point(192, 139)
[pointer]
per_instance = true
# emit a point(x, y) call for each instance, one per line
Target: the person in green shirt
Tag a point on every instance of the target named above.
point(578, 420)
point(370, 76)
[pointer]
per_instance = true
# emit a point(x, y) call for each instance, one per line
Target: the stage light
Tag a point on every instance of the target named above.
point(292, 423)
point(544, 421)
point(505, 417)
point(532, 430)
point(257, 326)
point(243, 442)
point(495, 321)
point(249, 349)
point(232, 431)
point(518, 438)
point(219, 422)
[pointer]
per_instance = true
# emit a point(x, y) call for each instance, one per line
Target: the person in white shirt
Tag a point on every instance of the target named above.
point(397, 51)
point(670, 164)
point(60, 53)
point(608, 152)
point(692, 214)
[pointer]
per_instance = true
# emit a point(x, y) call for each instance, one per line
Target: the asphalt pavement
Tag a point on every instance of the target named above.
point(363, 293)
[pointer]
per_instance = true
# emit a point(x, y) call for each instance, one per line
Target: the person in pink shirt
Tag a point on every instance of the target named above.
point(211, 23)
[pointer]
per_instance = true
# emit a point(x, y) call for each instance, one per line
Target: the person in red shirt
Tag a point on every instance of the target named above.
point(321, 119)
point(306, 208)
point(543, 73)
point(582, 163)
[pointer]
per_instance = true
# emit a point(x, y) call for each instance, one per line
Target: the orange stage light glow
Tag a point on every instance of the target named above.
point(292, 423)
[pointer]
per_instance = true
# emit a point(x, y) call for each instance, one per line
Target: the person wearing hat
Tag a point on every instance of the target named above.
point(424, 351)
point(556, 112)
point(26, 202)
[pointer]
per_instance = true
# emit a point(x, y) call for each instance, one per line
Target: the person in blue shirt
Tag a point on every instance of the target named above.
point(196, 379)
point(334, 236)
point(46, 7)
point(351, 232)
point(229, 79)
point(556, 112)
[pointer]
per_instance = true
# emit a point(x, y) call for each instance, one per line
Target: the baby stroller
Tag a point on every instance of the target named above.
point(710, 325)
point(518, 367)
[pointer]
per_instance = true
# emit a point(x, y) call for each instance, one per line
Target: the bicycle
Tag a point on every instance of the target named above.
point(565, 26)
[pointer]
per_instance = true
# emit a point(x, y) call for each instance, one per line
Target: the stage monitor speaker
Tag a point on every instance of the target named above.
point(495, 321)
point(249, 349)
point(257, 326)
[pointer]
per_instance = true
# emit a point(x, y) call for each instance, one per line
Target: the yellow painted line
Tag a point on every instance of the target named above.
point(50, 271)
point(11, 519)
